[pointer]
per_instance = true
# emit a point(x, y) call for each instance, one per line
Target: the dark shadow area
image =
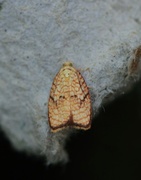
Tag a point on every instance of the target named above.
point(110, 150)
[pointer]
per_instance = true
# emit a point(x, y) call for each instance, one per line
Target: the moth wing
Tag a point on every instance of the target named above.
point(81, 105)
point(59, 106)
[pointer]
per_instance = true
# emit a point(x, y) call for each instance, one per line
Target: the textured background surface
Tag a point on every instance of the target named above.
point(36, 37)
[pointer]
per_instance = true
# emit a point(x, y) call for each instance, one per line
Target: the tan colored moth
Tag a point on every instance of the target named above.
point(69, 101)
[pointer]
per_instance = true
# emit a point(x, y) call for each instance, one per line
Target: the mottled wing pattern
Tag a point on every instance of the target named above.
point(69, 101)
point(59, 104)
point(81, 104)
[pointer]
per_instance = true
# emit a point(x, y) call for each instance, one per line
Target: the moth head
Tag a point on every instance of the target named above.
point(67, 64)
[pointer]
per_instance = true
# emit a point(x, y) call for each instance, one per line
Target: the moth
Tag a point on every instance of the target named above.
point(69, 101)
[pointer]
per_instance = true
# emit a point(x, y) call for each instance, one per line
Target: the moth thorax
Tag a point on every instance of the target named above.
point(67, 64)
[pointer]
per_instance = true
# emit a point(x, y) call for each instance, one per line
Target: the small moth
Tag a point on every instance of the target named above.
point(69, 102)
